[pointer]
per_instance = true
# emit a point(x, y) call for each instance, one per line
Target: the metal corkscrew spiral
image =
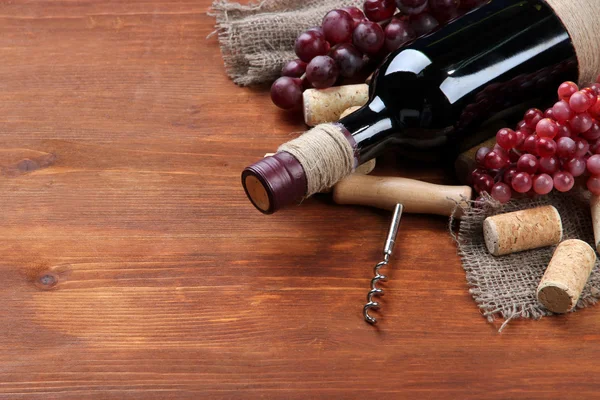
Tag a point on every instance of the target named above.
point(387, 252)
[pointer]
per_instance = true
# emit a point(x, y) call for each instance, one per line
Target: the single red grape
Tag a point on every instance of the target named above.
point(507, 138)
point(593, 164)
point(596, 88)
point(501, 192)
point(483, 183)
point(530, 144)
point(397, 33)
point(545, 147)
point(322, 72)
point(548, 165)
point(338, 26)
point(423, 23)
point(580, 102)
point(348, 58)
point(311, 44)
point(581, 122)
point(522, 182)
point(368, 37)
point(379, 10)
point(575, 166)
point(563, 181)
point(528, 163)
point(480, 155)
point(356, 14)
point(294, 69)
point(286, 92)
point(546, 128)
point(543, 184)
point(562, 111)
point(495, 160)
point(521, 135)
point(565, 147)
point(593, 184)
point(566, 90)
point(549, 113)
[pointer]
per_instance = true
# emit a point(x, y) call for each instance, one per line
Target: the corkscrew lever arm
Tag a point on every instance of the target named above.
point(387, 253)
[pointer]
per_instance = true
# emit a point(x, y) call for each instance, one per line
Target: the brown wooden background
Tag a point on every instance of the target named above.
point(121, 145)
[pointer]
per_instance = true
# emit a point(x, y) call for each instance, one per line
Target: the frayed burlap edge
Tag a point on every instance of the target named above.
point(245, 68)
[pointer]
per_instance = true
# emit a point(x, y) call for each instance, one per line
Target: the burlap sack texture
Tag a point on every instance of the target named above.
point(506, 286)
point(258, 39)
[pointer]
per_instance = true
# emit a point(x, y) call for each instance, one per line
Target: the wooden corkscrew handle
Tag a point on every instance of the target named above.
point(385, 192)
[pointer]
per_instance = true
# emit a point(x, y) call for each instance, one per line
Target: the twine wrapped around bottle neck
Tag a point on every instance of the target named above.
point(580, 18)
point(325, 155)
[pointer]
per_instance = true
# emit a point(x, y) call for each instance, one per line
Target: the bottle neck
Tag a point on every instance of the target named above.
point(369, 129)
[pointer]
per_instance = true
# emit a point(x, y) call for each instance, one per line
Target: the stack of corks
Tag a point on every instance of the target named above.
point(571, 264)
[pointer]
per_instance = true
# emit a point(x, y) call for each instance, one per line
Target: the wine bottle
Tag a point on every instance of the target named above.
point(431, 94)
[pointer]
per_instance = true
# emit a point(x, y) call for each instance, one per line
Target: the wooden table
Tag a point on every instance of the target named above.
point(133, 267)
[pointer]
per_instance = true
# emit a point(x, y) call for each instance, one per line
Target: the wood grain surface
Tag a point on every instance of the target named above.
point(133, 267)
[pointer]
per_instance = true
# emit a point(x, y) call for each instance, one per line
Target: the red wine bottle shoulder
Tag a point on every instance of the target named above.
point(445, 85)
point(500, 53)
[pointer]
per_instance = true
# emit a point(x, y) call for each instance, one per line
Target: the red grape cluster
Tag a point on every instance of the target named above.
point(547, 150)
point(349, 37)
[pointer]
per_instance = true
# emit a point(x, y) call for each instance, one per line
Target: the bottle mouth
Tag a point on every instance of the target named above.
point(274, 182)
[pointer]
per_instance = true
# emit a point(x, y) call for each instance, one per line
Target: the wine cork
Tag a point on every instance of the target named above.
point(349, 111)
point(522, 230)
point(595, 209)
point(326, 105)
point(566, 275)
point(580, 18)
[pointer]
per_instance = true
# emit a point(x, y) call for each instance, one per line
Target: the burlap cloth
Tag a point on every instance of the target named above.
point(506, 286)
point(258, 39)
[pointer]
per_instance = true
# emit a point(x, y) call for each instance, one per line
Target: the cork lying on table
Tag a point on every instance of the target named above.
point(522, 230)
point(566, 275)
point(326, 105)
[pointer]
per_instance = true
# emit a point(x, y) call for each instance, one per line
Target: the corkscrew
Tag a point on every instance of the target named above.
point(387, 253)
